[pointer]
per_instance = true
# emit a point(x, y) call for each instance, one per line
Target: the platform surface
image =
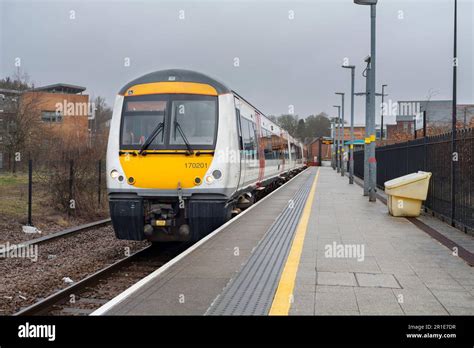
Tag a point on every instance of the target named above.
point(314, 247)
point(191, 285)
point(403, 271)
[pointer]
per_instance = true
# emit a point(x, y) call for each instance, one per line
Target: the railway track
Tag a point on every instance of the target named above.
point(61, 234)
point(83, 297)
point(88, 294)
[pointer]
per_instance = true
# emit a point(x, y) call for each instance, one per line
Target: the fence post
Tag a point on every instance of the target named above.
point(71, 183)
point(30, 190)
point(424, 123)
point(99, 180)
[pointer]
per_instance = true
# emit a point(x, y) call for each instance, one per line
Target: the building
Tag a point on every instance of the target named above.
point(62, 110)
point(62, 107)
point(359, 134)
point(314, 151)
point(438, 118)
point(404, 126)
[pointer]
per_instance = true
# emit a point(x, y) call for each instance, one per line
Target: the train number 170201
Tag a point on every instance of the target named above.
point(195, 165)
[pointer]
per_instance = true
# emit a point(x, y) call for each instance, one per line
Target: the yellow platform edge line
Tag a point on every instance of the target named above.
point(284, 295)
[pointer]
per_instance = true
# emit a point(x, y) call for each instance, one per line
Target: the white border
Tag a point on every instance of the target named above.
point(123, 295)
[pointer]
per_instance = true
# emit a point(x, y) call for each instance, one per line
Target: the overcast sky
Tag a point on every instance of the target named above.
point(289, 52)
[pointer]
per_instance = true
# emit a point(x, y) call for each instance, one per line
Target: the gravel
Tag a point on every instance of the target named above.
point(25, 281)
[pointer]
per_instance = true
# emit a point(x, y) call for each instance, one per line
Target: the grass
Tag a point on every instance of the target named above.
point(8, 180)
point(14, 200)
point(14, 197)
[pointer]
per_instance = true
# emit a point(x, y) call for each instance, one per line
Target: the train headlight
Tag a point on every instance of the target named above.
point(114, 174)
point(209, 179)
point(217, 174)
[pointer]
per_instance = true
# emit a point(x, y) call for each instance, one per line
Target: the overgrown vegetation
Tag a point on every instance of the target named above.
point(306, 129)
point(52, 150)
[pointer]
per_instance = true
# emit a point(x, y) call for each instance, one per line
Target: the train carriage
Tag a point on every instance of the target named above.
point(185, 153)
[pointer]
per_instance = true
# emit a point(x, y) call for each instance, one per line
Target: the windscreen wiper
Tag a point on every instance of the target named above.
point(159, 128)
point(186, 142)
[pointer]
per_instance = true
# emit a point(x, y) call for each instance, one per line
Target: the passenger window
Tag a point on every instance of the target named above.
point(247, 138)
point(239, 129)
point(252, 140)
point(267, 144)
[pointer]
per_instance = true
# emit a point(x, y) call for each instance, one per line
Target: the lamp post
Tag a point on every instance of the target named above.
point(351, 146)
point(337, 137)
point(381, 116)
point(454, 120)
point(371, 101)
point(333, 136)
point(342, 134)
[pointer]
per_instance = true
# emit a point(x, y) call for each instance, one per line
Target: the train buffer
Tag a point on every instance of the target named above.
point(315, 246)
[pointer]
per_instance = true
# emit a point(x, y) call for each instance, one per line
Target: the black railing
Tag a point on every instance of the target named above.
point(432, 154)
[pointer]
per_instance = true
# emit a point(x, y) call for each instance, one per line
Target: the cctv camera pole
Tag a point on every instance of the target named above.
point(342, 135)
point(370, 117)
point(372, 159)
point(367, 132)
point(351, 146)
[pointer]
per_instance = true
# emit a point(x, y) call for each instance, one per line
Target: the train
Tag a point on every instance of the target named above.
point(186, 153)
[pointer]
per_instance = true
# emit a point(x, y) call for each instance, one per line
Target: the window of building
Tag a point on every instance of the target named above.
point(51, 116)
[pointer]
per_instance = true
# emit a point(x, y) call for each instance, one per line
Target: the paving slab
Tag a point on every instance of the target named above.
point(336, 278)
point(403, 271)
point(377, 280)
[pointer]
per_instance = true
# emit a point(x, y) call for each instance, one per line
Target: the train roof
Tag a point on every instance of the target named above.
point(178, 75)
point(182, 75)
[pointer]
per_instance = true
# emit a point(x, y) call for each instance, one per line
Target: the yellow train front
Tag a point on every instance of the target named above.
point(185, 153)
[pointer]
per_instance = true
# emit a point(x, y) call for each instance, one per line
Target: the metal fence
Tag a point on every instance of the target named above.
point(41, 190)
point(432, 154)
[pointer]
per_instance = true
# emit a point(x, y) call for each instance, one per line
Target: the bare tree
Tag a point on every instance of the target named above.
point(23, 128)
point(103, 113)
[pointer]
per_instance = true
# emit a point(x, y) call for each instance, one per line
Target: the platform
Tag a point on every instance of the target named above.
point(315, 246)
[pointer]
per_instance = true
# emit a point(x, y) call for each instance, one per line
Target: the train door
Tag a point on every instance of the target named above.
point(242, 160)
point(260, 146)
point(251, 150)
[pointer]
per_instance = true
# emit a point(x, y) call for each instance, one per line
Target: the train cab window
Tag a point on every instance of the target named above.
point(194, 121)
point(185, 120)
point(140, 119)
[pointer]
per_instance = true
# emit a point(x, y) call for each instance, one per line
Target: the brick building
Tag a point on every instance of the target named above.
point(438, 118)
point(313, 151)
point(62, 109)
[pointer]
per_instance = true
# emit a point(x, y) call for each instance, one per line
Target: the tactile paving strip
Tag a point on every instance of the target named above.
point(251, 292)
